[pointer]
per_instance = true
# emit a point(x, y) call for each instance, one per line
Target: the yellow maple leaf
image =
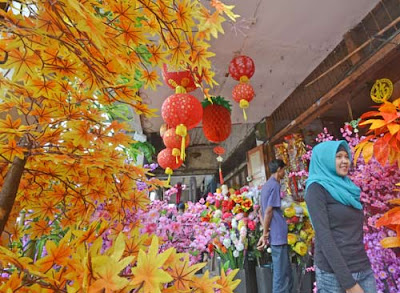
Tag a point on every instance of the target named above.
point(10, 150)
point(151, 79)
point(148, 272)
point(223, 8)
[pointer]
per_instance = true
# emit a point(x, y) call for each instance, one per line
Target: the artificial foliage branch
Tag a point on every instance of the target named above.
point(67, 67)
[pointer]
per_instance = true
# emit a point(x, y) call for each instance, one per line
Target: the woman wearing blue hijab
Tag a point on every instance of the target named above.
point(333, 202)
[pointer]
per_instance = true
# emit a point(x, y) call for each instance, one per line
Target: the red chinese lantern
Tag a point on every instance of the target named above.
point(241, 67)
point(243, 93)
point(217, 123)
point(180, 78)
point(183, 112)
point(168, 162)
point(174, 142)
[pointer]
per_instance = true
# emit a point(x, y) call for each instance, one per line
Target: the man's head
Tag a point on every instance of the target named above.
point(277, 167)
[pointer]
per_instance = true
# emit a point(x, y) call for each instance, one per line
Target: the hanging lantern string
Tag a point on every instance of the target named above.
point(181, 130)
point(176, 153)
point(244, 79)
point(169, 172)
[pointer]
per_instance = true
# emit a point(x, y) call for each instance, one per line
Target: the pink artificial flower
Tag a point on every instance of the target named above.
point(227, 215)
point(251, 225)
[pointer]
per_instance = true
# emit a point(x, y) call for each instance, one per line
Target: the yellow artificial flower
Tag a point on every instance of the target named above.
point(303, 235)
point(292, 238)
point(227, 281)
point(300, 248)
point(237, 209)
point(289, 212)
point(305, 210)
point(291, 227)
point(148, 272)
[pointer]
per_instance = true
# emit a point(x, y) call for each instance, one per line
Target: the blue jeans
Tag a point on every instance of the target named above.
point(282, 281)
point(327, 282)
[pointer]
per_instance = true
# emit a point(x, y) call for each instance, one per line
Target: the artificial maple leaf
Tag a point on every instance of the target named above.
point(158, 55)
point(80, 133)
point(57, 254)
point(211, 23)
point(23, 62)
point(228, 285)
point(180, 52)
point(10, 150)
point(12, 283)
point(199, 55)
point(185, 11)
point(147, 272)
point(150, 79)
point(39, 228)
point(46, 208)
point(223, 8)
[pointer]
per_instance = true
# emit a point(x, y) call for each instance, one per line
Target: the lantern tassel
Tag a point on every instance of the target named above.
point(244, 104)
point(176, 153)
point(221, 178)
point(169, 172)
point(181, 130)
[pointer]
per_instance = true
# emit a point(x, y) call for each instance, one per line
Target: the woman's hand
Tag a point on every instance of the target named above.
point(355, 289)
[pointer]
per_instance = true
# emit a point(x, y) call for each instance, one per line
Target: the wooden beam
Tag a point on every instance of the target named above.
point(380, 58)
point(365, 44)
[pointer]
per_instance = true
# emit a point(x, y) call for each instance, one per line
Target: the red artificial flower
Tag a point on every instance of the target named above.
point(217, 204)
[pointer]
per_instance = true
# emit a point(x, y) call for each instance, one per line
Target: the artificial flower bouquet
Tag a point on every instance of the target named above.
point(235, 214)
point(301, 233)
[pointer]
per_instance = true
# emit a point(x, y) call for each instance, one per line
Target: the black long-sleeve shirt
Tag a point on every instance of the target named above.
point(339, 246)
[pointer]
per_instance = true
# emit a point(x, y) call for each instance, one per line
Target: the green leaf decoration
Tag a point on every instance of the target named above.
point(145, 148)
point(217, 101)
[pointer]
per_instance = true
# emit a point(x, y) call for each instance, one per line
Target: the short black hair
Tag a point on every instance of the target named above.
point(275, 164)
point(181, 206)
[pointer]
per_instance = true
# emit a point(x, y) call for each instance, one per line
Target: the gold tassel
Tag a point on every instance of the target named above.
point(244, 104)
point(176, 153)
point(169, 172)
point(181, 130)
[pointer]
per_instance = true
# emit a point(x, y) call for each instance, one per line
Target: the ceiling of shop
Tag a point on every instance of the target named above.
point(287, 39)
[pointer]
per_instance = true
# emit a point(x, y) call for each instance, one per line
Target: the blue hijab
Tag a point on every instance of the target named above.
point(323, 171)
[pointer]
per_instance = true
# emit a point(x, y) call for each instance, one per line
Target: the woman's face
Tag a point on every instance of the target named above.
point(342, 163)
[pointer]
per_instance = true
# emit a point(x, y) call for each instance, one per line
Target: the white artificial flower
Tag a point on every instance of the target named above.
point(234, 223)
point(227, 242)
point(218, 214)
point(233, 236)
point(236, 253)
point(243, 231)
point(239, 246)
